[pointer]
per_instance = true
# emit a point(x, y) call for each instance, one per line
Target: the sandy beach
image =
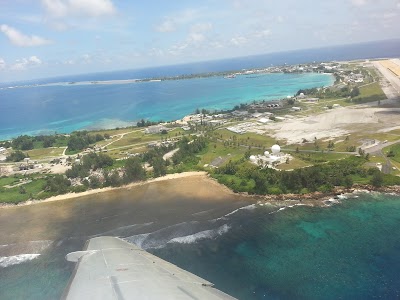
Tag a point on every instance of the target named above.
point(109, 189)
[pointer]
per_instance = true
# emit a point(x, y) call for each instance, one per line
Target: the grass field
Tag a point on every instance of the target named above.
point(8, 180)
point(140, 138)
point(294, 163)
point(216, 150)
point(369, 93)
point(396, 151)
point(44, 152)
point(14, 196)
point(248, 139)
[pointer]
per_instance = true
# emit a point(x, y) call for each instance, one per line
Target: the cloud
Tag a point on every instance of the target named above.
point(2, 64)
point(389, 15)
point(87, 8)
point(201, 27)
point(25, 63)
point(196, 37)
point(262, 33)
point(238, 41)
point(358, 2)
point(19, 39)
point(167, 25)
point(171, 23)
point(86, 59)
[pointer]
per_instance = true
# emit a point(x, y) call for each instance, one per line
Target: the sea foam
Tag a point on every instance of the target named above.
point(6, 261)
point(206, 234)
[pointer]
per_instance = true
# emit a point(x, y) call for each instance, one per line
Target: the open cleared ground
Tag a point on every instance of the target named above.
point(335, 123)
point(45, 152)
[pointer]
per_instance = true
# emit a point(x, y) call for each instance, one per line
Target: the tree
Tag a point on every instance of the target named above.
point(355, 92)
point(134, 170)
point(57, 184)
point(16, 156)
point(159, 167)
point(48, 141)
point(23, 142)
point(348, 182)
point(377, 179)
point(22, 190)
point(115, 179)
point(77, 143)
point(94, 182)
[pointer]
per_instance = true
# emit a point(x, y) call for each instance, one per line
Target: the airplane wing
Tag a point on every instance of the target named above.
point(111, 268)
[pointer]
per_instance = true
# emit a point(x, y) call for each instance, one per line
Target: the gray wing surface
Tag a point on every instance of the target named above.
point(111, 268)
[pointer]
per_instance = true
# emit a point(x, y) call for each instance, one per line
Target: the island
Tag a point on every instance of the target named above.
point(310, 146)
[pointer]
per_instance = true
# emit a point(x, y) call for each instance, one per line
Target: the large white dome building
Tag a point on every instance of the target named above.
point(276, 149)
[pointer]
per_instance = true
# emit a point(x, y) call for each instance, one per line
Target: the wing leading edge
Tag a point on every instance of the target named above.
point(111, 268)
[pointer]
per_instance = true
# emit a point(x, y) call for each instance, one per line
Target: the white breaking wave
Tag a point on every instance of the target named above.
point(285, 207)
point(206, 234)
point(6, 261)
point(121, 230)
point(137, 239)
point(248, 207)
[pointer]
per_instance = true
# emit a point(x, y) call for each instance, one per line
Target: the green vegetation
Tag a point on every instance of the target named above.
point(22, 142)
point(25, 142)
point(16, 156)
point(143, 123)
point(369, 93)
point(31, 190)
point(394, 153)
point(42, 153)
point(241, 176)
point(188, 150)
point(80, 140)
point(90, 162)
point(134, 170)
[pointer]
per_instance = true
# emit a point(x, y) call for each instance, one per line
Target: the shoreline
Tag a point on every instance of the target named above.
point(105, 189)
point(310, 199)
point(96, 127)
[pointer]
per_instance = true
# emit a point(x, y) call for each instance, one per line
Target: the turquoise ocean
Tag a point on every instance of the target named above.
point(347, 251)
point(64, 107)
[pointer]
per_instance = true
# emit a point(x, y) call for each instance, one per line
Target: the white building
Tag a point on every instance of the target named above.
point(264, 120)
point(296, 108)
point(268, 159)
point(155, 129)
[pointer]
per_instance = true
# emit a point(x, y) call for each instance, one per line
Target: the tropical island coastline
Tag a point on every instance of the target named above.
point(203, 141)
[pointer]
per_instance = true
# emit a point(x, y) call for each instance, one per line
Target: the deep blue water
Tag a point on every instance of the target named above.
point(347, 251)
point(65, 108)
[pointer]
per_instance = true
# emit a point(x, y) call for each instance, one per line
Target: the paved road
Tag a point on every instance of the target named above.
point(394, 80)
point(378, 148)
point(319, 151)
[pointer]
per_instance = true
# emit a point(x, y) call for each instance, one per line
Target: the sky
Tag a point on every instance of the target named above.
point(45, 38)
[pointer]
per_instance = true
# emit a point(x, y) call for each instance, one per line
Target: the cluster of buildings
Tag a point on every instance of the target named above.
point(302, 68)
point(270, 159)
point(354, 78)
